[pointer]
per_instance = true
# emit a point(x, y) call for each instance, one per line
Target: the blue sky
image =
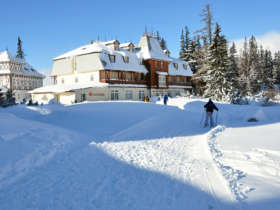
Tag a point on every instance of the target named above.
point(50, 28)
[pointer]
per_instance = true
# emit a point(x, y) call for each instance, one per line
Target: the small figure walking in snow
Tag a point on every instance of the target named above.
point(209, 108)
point(165, 99)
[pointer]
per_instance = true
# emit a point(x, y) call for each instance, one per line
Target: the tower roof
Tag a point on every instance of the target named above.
point(150, 48)
point(7, 56)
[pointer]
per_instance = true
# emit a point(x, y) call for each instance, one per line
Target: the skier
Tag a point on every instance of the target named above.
point(165, 99)
point(209, 108)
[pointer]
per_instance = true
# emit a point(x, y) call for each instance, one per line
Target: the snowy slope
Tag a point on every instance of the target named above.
point(128, 155)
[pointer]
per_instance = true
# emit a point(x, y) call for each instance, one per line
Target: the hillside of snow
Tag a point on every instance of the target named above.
point(137, 156)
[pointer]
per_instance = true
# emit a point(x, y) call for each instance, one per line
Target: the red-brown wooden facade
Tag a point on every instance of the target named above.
point(150, 79)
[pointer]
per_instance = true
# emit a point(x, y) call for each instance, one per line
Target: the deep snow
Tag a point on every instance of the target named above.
point(134, 155)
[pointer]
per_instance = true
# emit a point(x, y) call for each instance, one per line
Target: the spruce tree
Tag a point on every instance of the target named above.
point(192, 56)
point(255, 72)
point(188, 52)
point(157, 35)
point(267, 76)
point(218, 85)
point(20, 53)
point(163, 44)
point(276, 68)
point(233, 70)
point(182, 46)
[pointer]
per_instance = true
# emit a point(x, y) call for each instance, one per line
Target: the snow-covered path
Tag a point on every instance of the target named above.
point(143, 156)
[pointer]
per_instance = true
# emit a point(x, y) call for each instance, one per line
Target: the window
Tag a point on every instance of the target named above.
point(185, 66)
point(91, 78)
point(175, 65)
point(162, 64)
point(113, 75)
point(156, 64)
point(141, 95)
point(161, 81)
point(112, 58)
point(62, 81)
point(125, 59)
point(102, 75)
point(76, 80)
point(128, 76)
point(114, 95)
point(128, 95)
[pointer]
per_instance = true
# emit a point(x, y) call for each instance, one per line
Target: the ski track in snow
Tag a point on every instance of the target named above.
point(259, 162)
point(231, 175)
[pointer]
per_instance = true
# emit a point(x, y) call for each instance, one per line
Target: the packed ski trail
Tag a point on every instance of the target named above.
point(143, 156)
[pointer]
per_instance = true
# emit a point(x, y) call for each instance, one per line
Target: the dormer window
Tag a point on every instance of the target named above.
point(131, 47)
point(175, 65)
point(125, 59)
point(116, 46)
point(112, 58)
point(185, 66)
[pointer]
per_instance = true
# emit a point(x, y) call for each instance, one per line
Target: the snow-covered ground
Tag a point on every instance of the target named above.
point(133, 155)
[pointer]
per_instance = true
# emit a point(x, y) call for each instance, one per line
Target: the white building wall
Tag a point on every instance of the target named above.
point(81, 78)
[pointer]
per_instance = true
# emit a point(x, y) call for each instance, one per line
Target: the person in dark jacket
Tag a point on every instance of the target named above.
point(209, 108)
point(165, 99)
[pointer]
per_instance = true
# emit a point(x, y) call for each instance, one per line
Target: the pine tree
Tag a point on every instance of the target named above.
point(218, 85)
point(20, 53)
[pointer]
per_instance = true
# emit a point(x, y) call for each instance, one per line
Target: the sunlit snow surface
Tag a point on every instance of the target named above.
point(133, 155)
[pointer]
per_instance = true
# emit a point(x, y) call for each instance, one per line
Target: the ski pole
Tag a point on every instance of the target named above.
point(202, 117)
point(217, 118)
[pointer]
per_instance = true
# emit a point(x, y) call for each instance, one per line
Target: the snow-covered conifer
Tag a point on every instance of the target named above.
point(20, 53)
point(218, 85)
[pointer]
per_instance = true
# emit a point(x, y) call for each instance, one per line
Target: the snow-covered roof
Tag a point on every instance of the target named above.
point(183, 68)
point(86, 49)
point(161, 73)
point(150, 49)
point(110, 42)
point(66, 87)
point(126, 45)
point(26, 69)
point(94, 57)
point(7, 56)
